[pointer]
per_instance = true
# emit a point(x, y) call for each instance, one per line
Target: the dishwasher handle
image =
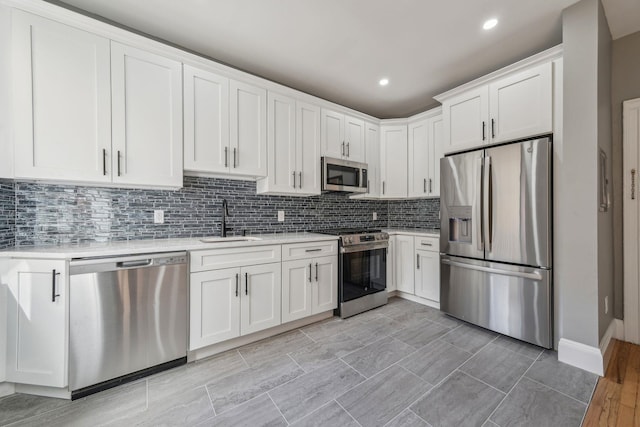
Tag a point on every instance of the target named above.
point(138, 263)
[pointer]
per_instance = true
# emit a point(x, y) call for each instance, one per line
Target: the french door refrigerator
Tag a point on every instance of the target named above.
point(495, 239)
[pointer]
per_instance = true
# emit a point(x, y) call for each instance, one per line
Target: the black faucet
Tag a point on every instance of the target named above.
point(225, 213)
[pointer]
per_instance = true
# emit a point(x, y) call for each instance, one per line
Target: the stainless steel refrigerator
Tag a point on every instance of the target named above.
point(495, 239)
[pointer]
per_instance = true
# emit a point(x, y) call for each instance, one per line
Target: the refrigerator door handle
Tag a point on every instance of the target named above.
point(489, 202)
point(532, 276)
point(481, 192)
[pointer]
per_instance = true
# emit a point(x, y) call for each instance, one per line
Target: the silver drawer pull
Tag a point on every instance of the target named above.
point(313, 250)
point(426, 244)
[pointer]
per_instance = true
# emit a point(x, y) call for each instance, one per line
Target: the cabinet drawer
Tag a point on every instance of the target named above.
point(427, 243)
point(309, 250)
point(215, 259)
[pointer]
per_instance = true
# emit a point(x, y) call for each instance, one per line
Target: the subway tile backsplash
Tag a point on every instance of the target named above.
point(37, 214)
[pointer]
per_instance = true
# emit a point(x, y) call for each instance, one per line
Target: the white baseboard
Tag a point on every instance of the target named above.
point(581, 356)
point(615, 330)
point(417, 299)
point(7, 389)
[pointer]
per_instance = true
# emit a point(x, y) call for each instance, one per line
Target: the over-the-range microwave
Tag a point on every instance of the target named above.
point(344, 175)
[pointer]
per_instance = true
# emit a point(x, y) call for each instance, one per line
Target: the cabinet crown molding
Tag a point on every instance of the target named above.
point(543, 57)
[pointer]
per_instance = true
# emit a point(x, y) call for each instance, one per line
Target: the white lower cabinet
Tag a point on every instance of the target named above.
point(309, 286)
point(37, 322)
point(414, 267)
point(403, 264)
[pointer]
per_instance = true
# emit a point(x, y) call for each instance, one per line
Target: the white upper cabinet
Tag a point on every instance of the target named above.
point(419, 165)
point(435, 153)
point(372, 159)
point(342, 136)
point(294, 147)
point(62, 101)
point(465, 117)
point(513, 105)
point(146, 92)
point(248, 129)
point(521, 104)
point(206, 121)
point(393, 163)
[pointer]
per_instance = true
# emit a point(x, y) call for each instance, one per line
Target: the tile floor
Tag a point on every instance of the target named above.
point(403, 364)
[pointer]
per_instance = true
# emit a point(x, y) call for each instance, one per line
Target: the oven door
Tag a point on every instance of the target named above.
point(362, 272)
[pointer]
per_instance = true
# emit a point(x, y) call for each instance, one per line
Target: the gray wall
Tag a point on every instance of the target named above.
point(37, 214)
point(579, 256)
point(625, 84)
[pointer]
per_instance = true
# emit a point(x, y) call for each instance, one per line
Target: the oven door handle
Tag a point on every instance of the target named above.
point(364, 247)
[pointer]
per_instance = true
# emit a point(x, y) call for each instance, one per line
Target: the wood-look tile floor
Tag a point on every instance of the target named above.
point(399, 365)
point(616, 400)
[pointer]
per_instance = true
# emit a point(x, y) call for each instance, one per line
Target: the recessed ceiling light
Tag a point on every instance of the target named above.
point(490, 23)
point(383, 82)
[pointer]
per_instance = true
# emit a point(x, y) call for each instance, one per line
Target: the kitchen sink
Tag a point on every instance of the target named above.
point(229, 239)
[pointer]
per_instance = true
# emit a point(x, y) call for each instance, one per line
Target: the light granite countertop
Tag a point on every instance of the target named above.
point(133, 247)
point(428, 232)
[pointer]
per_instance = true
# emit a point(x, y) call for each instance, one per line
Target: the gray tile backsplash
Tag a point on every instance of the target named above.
point(37, 214)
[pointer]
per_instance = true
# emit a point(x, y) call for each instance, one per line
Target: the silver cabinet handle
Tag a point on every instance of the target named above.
point(313, 250)
point(426, 244)
point(104, 161)
point(226, 157)
point(300, 180)
point(246, 283)
point(234, 157)
point(342, 152)
point(484, 125)
point(119, 163)
point(430, 187)
point(294, 179)
point(383, 187)
point(54, 295)
point(532, 276)
point(347, 149)
point(316, 271)
point(310, 267)
point(418, 261)
point(237, 280)
point(493, 129)
point(633, 184)
point(425, 185)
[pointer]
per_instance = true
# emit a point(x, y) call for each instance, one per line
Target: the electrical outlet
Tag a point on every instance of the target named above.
point(606, 305)
point(158, 216)
point(280, 216)
point(375, 216)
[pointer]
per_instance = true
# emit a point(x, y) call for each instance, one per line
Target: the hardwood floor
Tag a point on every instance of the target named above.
point(616, 400)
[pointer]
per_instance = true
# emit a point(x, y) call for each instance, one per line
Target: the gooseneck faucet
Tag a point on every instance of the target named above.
point(225, 213)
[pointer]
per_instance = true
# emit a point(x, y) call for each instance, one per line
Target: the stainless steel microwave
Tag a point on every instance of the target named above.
point(344, 175)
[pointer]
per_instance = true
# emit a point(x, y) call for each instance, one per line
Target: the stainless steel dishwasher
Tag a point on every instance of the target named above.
point(127, 319)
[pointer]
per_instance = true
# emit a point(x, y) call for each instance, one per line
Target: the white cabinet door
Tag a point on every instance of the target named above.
point(372, 151)
point(324, 295)
point(521, 104)
point(427, 279)
point(37, 323)
point(391, 277)
point(206, 121)
point(354, 139)
point(434, 127)
point(308, 147)
point(296, 289)
point(62, 104)
point(214, 307)
point(146, 92)
point(332, 134)
point(466, 119)
point(404, 263)
point(418, 158)
point(283, 176)
point(248, 129)
point(393, 169)
point(260, 302)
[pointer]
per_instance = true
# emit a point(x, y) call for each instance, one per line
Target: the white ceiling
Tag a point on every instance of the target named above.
point(338, 49)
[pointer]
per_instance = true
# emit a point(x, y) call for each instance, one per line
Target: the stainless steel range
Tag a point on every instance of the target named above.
point(362, 270)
